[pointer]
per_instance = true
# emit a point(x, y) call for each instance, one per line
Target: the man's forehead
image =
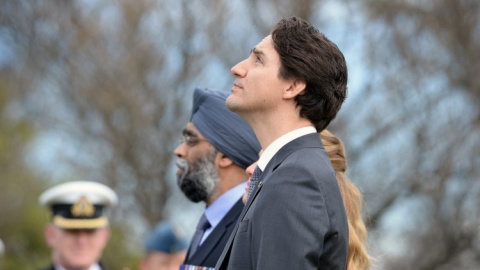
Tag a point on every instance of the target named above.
point(266, 49)
point(266, 42)
point(191, 130)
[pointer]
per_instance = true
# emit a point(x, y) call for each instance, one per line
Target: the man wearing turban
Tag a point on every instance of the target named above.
point(216, 147)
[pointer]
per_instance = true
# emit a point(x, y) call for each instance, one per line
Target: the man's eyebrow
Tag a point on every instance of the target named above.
point(256, 51)
point(189, 132)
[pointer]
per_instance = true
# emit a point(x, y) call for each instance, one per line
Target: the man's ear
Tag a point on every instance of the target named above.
point(297, 87)
point(223, 161)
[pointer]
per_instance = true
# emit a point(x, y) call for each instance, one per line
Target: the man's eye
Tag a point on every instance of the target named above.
point(191, 140)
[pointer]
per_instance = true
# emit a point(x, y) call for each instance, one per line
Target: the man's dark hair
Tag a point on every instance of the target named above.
point(307, 55)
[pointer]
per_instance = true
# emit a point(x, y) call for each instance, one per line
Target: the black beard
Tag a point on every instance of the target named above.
point(193, 189)
point(201, 180)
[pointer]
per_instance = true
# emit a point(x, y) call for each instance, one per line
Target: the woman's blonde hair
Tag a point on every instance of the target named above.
point(358, 258)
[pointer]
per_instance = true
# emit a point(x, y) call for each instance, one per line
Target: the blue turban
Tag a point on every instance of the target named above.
point(165, 239)
point(225, 130)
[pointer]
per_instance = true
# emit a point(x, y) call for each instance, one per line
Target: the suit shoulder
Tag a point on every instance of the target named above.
point(311, 160)
point(308, 168)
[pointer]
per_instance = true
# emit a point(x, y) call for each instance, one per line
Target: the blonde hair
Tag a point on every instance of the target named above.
point(358, 258)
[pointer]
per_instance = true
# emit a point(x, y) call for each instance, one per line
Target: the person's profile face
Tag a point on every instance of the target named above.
point(197, 173)
point(77, 248)
point(192, 147)
point(257, 84)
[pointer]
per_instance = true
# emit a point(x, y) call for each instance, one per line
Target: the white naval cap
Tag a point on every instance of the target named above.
point(79, 204)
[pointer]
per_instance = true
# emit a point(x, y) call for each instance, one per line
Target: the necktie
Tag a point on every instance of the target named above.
point(202, 226)
point(254, 181)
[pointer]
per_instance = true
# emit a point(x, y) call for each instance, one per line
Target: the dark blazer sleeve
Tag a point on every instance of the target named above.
point(296, 221)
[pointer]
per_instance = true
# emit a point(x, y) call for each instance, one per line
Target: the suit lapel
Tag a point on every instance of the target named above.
point(309, 140)
point(221, 264)
point(212, 240)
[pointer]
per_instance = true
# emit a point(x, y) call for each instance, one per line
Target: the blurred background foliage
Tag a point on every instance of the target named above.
point(100, 90)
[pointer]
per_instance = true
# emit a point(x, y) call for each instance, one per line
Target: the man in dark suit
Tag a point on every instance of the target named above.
point(79, 230)
point(216, 148)
point(289, 88)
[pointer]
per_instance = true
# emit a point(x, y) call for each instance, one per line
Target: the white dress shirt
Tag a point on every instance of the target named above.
point(276, 145)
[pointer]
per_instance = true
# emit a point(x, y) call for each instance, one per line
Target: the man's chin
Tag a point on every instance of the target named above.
point(231, 103)
point(195, 198)
point(192, 190)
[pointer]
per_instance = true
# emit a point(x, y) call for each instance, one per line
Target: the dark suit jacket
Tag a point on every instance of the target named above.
point(295, 219)
point(209, 251)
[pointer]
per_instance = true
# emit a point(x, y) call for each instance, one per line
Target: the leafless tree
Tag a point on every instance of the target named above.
point(412, 132)
point(115, 78)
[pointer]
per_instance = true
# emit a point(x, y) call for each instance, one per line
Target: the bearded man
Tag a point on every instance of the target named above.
point(216, 148)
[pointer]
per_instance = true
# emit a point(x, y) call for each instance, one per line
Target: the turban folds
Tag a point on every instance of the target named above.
point(224, 129)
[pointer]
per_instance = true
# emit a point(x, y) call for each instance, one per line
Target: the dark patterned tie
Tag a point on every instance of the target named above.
point(254, 181)
point(202, 226)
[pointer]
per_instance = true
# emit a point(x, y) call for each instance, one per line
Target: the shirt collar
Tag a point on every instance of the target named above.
point(276, 145)
point(220, 207)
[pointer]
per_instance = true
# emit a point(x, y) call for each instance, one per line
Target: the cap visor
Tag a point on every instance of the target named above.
point(66, 223)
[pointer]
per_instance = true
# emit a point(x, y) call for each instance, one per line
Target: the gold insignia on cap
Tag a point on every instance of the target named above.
point(83, 208)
